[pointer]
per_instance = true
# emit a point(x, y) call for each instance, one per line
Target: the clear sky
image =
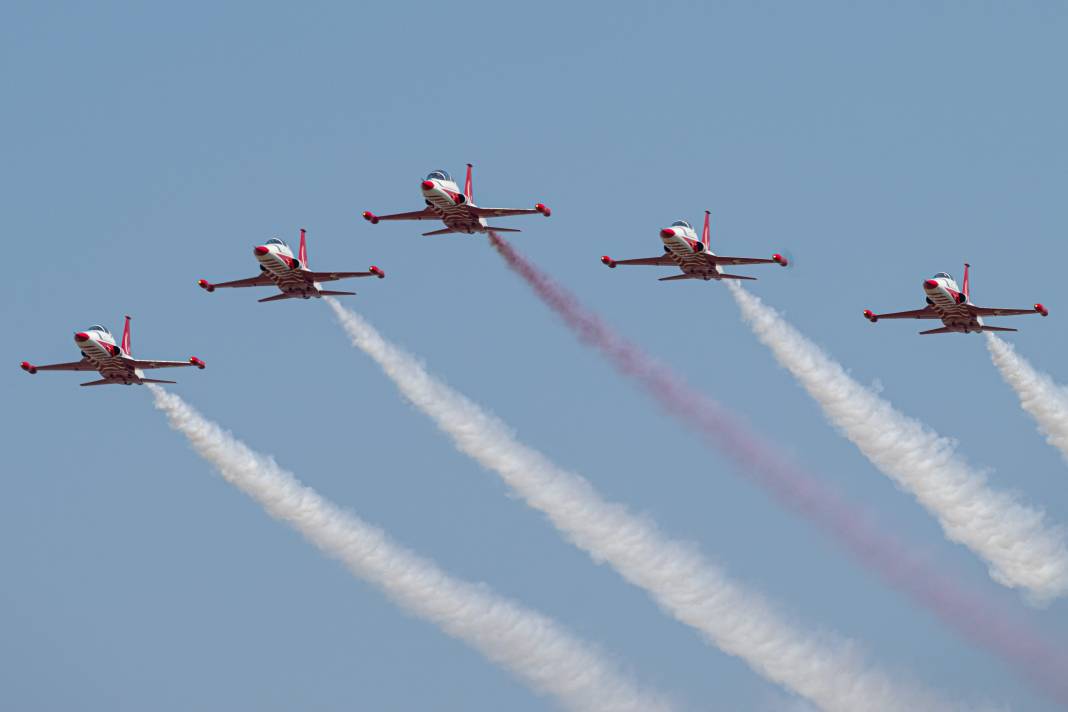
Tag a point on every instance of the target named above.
point(145, 147)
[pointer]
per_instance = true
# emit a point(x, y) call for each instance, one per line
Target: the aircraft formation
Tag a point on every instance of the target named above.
point(457, 210)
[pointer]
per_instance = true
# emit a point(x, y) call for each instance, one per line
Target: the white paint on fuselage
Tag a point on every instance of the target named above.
point(277, 265)
point(441, 199)
point(686, 250)
point(945, 298)
point(100, 348)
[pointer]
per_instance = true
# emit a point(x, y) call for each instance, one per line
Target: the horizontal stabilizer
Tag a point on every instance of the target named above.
point(998, 328)
point(332, 293)
point(276, 297)
point(673, 277)
point(443, 231)
point(503, 229)
point(943, 330)
point(736, 276)
point(155, 380)
point(101, 382)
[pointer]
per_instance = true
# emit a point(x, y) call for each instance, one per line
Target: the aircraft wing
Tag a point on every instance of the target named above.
point(986, 311)
point(424, 214)
point(83, 365)
point(138, 363)
point(925, 313)
point(658, 261)
point(502, 212)
point(331, 276)
point(260, 280)
point(721, 260)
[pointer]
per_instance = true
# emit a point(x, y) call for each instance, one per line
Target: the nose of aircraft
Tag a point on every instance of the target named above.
point(428, 185)
point(930, 283)
point(81, 336)
point(261, 250)
point(667, 232)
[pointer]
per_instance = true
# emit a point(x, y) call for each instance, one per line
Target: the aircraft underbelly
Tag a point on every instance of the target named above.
point(456, 217)
point(292, 281)
point(689, 261)
point(955, 316)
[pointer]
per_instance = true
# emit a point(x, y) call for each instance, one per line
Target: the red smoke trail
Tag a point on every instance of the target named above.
point(978, 619)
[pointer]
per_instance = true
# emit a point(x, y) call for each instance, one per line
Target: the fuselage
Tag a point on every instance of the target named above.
point(949, 301)
point(98, 345)
point(445, 199)
point(281, 267)
point(683, 246)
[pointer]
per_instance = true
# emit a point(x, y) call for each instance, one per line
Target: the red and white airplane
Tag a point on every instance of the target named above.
point(953, 305)
point(695, 259)
point(114, 362)
point(279, 268)
point(457, 210)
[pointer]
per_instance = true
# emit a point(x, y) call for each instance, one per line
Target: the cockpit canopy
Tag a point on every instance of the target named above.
point(276, 241)
point(439, 175)
point(944, 275)
point(682, 223)
point(97, 327)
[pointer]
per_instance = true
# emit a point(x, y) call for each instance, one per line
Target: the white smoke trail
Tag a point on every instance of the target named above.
point(1021, 549)
point(819, 667)
point(1046, 401)
point(533, 647)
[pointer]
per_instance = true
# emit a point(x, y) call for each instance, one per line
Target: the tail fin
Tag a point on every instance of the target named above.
point(126, 336)
point(967, 287)
point(467, 184)
point(705, 234)
point(303, 254)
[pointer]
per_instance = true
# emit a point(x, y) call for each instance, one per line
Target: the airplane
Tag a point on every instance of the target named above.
point(695, 259)
point(114, 362)
point(457, 210)
point(953, 305)
point(290, 274)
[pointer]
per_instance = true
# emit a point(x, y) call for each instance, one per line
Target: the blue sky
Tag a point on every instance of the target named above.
point(149, 146)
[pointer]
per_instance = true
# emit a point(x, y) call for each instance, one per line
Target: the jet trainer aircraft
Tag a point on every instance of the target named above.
point(695, 259)
point(278, 267)
point(114, 362)
point(953, 305)
point(457, 210)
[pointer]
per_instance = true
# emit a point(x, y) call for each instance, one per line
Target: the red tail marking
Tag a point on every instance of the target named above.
point(967, 285)
point(467, 185)
point(303, 254)
point(705, 235)
point(126, 336)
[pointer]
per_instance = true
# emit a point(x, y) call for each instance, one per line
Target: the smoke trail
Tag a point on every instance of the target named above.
point(1046, 401)
point(533, 647)
point(971, 615)
point(1021, 549)
point(824, 670)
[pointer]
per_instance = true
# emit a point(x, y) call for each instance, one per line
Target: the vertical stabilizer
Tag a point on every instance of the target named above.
point(967, 287)
point(705, 234)
point(303, 254)
point(467, 185)
point(126, 336)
